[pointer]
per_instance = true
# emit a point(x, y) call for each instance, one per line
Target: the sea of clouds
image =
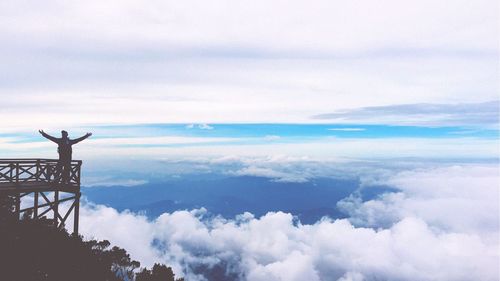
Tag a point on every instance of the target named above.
point(442, 224)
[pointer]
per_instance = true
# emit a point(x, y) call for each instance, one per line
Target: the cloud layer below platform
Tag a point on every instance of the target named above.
point(441, 225)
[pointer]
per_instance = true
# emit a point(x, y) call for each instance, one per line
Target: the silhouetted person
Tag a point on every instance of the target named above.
point(64, 149)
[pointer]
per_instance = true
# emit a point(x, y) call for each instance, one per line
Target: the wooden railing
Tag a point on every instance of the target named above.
point(41, 179)
point(19, 172)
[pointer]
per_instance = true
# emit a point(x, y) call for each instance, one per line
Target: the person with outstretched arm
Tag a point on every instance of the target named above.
point(64, 149)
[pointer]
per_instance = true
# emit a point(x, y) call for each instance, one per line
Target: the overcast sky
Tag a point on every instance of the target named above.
point(100, 62)
point(361, 65)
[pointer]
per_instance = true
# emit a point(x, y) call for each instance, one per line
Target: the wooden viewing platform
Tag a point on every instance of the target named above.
point(35, 178)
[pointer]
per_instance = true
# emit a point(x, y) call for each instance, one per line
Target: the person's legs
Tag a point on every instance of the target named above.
point(59, 171)
point(66, 171)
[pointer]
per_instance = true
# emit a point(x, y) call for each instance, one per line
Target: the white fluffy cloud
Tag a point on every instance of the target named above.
point(417, 239)
point(273, 247)
point(460, 198)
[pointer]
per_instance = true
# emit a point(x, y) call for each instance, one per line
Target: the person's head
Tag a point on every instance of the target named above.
point(64, 134)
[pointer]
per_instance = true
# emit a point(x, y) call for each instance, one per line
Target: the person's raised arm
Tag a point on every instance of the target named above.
point(81, 138)
point(47, 136)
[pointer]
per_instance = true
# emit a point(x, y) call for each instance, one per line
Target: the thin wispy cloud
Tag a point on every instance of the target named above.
point(460, 114)
point(347, 129)
point(200, 126)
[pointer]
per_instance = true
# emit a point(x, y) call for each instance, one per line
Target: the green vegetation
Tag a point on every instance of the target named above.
point(34, 250)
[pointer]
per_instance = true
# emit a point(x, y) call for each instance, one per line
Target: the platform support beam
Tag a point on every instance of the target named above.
point(18, 206)
point(56, 207)
point(35, 205)
point(76, 212)
point(34, 178)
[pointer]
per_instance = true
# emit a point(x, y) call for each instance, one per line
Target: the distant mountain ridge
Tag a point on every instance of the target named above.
point(230, 196)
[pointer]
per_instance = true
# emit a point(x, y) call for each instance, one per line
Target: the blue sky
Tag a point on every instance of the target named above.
point(277, 130)
point(301, 130)
point(214, 140)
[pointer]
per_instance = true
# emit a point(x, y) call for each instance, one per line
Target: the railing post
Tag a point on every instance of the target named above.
point(37, 173)
point(17, 173)
point(12, 169)
point(51, 172)
point(18, 197)
point(79, 173)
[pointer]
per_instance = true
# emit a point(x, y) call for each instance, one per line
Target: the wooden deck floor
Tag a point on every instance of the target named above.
point(40, 186)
